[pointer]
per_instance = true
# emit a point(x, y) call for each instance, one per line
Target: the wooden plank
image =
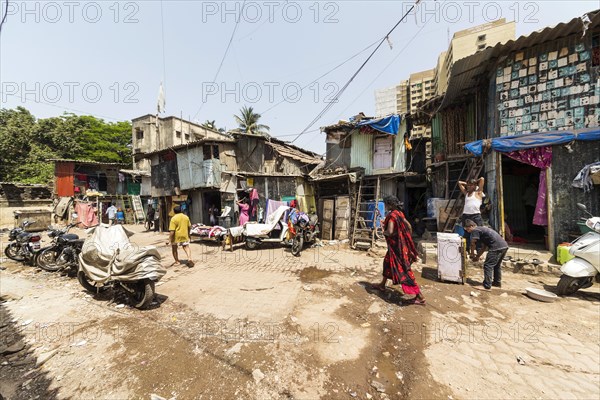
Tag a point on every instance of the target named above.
point(327, 219)
point(342, 217)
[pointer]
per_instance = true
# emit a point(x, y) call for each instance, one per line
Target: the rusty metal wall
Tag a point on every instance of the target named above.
point(565, 197)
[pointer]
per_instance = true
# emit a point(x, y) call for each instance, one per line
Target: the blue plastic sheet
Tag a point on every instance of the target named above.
point(507, 144)
point(389, 125)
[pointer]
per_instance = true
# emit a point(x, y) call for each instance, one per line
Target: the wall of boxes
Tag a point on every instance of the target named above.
point(557, 88)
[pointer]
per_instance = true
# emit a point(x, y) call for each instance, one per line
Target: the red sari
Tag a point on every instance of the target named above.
point(400, 255)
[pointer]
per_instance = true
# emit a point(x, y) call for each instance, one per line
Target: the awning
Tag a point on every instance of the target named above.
point(519, 142)
point(389, 125)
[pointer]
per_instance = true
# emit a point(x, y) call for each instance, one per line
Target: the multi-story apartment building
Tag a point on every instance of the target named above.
point(468, 42)
point(420, 88)
point(402, 98)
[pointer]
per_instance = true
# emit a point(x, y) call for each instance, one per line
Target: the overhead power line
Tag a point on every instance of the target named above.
point(343, 89)
point(4, 15)
point(237, 22)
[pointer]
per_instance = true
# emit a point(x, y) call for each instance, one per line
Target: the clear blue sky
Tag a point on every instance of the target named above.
point(105, 58)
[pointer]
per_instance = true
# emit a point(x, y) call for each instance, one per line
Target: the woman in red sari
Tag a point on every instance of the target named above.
point(401, 251)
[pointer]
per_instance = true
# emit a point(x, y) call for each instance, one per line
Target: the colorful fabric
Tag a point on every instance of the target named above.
point(540, 157)
point(244, 217)
point(86, 214)
point(400, 255)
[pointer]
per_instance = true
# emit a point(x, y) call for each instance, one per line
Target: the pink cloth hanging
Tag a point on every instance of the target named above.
point(540, 157)
point(86, 214)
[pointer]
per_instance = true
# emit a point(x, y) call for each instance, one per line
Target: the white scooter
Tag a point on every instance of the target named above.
point(579, 272)
point(274, 230)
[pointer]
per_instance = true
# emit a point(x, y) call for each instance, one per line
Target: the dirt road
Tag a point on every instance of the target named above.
point(267, 325)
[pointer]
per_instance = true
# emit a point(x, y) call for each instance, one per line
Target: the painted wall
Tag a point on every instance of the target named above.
point(553, 86)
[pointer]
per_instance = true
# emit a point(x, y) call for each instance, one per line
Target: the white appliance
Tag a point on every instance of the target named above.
point(451, 260)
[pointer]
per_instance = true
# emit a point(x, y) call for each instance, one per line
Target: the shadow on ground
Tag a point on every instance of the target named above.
point(19, 377)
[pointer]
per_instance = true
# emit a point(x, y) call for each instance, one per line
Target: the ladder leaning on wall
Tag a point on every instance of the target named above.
point(363, 235)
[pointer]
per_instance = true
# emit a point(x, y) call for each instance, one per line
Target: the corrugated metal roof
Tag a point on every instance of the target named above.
point(135, 172)
point(294, 154)
point(467, 72)
point(85, 162)
point(188, 144)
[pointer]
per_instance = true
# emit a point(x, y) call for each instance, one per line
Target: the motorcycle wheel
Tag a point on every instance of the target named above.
point(47, 259)
point(568, 285)
point(12, 252)
point(297, 244)
point(251, 244)
point(87, 283)
point(144, 294)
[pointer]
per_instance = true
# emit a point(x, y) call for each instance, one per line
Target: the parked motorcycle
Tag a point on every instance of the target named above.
point(23, 245)
point(579, 272)
point(63, 253)
point(305, 230)
point(274, 230)
point(109, 260)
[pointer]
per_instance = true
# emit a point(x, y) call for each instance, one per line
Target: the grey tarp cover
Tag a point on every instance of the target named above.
point(108, 254)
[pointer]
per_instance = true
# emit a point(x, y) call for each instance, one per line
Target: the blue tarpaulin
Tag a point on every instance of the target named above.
point(519, 142)
point(389, 125)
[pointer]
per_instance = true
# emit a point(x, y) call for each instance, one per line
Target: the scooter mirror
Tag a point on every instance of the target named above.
point(582, 207)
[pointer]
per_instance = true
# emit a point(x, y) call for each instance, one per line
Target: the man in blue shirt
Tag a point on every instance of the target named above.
point(496, 247)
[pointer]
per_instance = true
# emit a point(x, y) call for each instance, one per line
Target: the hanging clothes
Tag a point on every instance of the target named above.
point(253, 203)
point(86, 214)
point(272, 206)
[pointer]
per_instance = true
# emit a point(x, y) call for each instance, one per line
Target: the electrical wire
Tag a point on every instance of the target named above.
point(4, 16)
point(343, 89)
point(324, 75)
point(162, 28)
point(385, 68)
point(237, 22)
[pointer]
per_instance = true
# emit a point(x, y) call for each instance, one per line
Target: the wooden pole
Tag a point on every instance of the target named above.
point(500, 187)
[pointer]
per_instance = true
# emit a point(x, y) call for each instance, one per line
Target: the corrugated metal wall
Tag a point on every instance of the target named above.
point(436, 134)
point(565, 197)
point(361, 154)
point(190, 168)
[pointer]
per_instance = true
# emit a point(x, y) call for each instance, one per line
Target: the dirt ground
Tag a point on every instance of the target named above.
point(266, 325)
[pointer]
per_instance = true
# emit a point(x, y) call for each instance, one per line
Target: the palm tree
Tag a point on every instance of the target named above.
point(212, 125)
point(209, 124)
point(248, 122)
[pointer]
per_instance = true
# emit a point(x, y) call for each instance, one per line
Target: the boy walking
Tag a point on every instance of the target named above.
point(111, 212)
point(497, 248)
point(179, 235)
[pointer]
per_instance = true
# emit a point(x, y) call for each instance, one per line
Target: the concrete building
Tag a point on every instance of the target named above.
point(468, 42)
point(420, 85)
point(150, 134)
point(402, 98)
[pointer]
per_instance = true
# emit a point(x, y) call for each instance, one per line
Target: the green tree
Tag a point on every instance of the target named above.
point(212, 125)
point(248, 122)
point(26, 144)
point(16, 128)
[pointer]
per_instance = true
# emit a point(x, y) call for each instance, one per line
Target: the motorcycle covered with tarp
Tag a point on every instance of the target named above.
point(109, 260)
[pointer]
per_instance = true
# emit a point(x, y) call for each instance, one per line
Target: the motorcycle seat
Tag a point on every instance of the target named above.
point(69, 237)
